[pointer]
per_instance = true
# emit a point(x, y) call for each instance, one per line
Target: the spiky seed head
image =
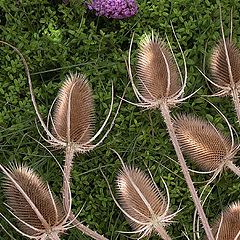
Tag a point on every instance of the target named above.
point(154, 67)
point(128, 181)
point(204, 144)
point(38, 192)
point(73, 120)
point(219, 66)
point(227, 226)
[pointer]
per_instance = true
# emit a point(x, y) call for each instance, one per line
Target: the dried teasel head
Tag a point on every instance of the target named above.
point(160, 79)
point(144, 206)
point(227, 226)
point(38, 213)
point(156, 69)
point(225, 65)
point(73, 119)
point(206, 146)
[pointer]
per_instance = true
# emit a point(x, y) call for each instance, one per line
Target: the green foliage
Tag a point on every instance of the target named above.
point(58, 38)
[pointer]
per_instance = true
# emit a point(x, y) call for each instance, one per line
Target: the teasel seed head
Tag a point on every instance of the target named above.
point(160, 79)
point(39, 213)
point(156, 69)
point(73, 119)
point(225, 65)
point(227, 226)
point(145, 207)
point(209, 148)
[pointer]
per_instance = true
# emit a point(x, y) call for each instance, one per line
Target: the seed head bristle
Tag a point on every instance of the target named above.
point(227, 225)
point(219, 66)
point(130, 178)
point(38, 192)
point(205, 145)
point(155, 65)
point(74, 111)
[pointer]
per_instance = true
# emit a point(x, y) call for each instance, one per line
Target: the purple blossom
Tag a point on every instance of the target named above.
point(118, 9)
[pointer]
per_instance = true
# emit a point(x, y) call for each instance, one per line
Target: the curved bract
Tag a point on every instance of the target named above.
point(39, 213)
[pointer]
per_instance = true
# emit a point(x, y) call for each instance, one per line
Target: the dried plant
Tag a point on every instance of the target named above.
point(73, 118)
point(39, 213)
point(144, 206)
point(224, 65)
point(209, 148)
point(160, 80)
point(161, 85)
point(227, 226)
point(67, 132)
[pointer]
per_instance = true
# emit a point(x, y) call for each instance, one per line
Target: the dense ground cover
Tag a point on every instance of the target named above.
point(57, 38)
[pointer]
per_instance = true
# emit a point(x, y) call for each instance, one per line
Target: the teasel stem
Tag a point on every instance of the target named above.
point(233, 167)
point(69, 154)
point(167, 118)
point(87, 231)
point(236, 103)
point(55, 237)
point(162, 232)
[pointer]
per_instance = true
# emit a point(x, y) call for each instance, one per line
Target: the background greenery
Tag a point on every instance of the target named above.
point(56, 39)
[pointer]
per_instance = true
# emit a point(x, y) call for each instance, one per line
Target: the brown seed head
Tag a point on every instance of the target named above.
point(156, 70)
point(74, 112)
point(204, 144)
point(227, 225)
point(140, 198)
point(220, 68)
point(39, 194)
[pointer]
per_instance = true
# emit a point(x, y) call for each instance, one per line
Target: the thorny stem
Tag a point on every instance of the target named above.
point(162, 232)
point(233, 167)
point(167, 118)
point(236, 103)
point(54, 237)
point(69, 154)
point(85, 229)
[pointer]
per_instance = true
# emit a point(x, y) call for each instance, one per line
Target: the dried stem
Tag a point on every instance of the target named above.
point(67, 174)
point(233, 167)
point(162, 232)
point(236, 103)
point(85, 229)
point(167, 118)
point(69, 154)
point(30, 87)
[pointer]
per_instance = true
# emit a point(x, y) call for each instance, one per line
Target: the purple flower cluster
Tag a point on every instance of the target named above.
point(118, 9)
